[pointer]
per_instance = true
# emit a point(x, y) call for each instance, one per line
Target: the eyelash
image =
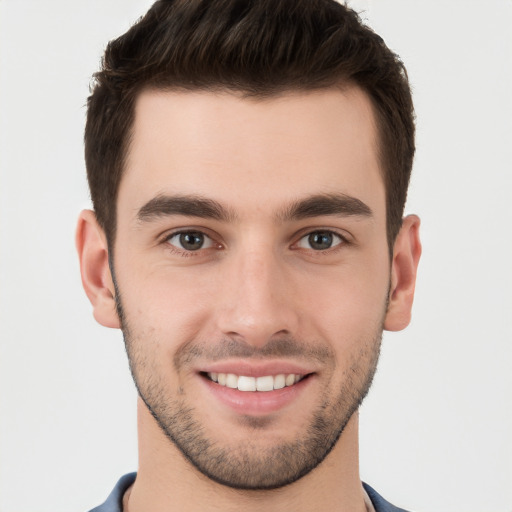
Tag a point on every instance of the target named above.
point(188, 253)
point(343, 241)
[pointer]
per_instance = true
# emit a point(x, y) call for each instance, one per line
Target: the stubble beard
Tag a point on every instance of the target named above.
point(248, 466)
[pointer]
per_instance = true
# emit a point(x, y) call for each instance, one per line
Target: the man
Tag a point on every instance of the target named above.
point(248, 165)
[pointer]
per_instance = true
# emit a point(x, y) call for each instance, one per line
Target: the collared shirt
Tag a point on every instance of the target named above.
point(114, 503)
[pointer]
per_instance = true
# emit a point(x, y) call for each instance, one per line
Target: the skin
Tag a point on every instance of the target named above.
point(257, 292)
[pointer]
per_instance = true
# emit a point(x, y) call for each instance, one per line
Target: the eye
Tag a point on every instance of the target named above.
point(320, 240)
point(190, 240)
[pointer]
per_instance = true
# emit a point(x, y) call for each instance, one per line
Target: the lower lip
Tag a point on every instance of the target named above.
point(257, 403)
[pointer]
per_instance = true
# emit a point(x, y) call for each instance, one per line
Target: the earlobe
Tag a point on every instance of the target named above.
point(406, 256)
point(91, 244)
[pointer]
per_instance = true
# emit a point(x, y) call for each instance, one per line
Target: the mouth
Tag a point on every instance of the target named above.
point(251, 388)
point(247, 383)
point(257, 395)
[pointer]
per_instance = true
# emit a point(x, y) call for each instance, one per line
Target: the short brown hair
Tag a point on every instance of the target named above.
point(260, 48)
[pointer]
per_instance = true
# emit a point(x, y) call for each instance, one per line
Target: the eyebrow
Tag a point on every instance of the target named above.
point(198, 206)
point(186, 205)
point(326, 204)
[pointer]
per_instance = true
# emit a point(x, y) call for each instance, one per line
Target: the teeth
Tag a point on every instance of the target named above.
point(231, 381)
point(279, 381)
point(290, 380)
point(246, 383)
point(265, 383)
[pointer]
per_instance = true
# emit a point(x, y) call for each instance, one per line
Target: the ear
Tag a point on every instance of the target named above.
point(406, 255)
point(91, 244)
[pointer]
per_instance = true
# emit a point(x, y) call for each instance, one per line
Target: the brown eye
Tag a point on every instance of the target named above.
point(320, 240)
point(190, 240)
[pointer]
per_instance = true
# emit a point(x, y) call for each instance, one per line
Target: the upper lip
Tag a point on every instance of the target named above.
point(256, 368)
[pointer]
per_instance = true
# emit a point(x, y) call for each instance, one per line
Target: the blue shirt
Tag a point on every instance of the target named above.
point(114, 502)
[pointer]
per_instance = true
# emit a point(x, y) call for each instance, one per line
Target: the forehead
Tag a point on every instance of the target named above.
point(231, 148)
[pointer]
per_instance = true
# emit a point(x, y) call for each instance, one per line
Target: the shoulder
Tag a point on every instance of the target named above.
point(114, 502)
point(380, 504)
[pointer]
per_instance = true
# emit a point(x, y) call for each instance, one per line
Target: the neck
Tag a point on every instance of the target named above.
point(167, 482)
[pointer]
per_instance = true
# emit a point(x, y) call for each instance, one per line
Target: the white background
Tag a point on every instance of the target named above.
point(436, 430)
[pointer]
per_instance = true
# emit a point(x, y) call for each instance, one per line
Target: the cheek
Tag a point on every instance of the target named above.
point(162, 313)
point(168, 304)
point(348, 305)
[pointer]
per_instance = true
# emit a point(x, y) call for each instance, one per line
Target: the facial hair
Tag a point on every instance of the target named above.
point(247, 465)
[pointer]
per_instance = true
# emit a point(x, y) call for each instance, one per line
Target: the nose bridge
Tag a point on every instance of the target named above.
point(258, 303)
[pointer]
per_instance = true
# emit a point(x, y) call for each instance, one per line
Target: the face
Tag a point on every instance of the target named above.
point(252, 274)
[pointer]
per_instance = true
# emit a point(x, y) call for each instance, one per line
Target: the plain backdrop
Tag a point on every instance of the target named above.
point(436, 430)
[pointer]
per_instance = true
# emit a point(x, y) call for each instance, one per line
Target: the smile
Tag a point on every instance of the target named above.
point(264, 383)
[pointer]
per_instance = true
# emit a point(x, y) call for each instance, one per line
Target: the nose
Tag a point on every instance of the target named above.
point(257, 301)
